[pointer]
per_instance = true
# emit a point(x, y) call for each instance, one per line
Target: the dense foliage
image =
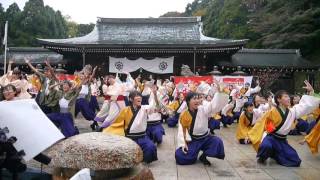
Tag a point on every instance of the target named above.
point(266, 23)
point(37, 21)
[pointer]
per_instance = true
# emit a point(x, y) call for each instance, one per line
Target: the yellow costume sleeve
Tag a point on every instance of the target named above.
point(243, 127)
point(185, 119)
point(256, 133)
point(316, 113)
point(120, 123)
point(173, 106)
point(139, 85)
point(243, 91)
point(305, 117)
point(229, 113)
point(216, 116)
point(313, 138)
point(77, 80)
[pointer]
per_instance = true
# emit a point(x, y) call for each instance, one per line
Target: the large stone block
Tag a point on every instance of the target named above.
point(96, 151)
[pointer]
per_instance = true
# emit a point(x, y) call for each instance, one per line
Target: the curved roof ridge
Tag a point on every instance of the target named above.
point(270, 51)
point(168, 20)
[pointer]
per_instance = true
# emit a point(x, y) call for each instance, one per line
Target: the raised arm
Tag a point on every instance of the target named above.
point(129, 84)
point(256, 89)
point(33, 68)
point(93, 74)
point(307, 104)
point(51, 70)
point(219, 100)
point(138, 83)
point(153, 103)
point(9, 67)
point(55, 85)
point(226, 109)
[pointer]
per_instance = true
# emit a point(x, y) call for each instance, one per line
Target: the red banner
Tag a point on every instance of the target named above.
point(239, 80)
point(194, 79)
point(69, 77)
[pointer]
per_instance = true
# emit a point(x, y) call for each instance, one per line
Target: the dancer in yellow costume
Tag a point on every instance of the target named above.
point(132, 122)
point(277, 122)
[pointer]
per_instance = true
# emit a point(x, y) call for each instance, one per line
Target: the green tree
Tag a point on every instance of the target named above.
point(84, 29)
point(2, 20)
point(173, 14)
point(34, 20)
point(266, 23)
point(13, 16)
point(62, 27)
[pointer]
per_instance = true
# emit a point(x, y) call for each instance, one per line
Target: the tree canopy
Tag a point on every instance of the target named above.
point(291, 24)
point(38, 21)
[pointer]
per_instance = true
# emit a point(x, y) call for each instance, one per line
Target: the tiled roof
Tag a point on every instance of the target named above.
point(175, 31)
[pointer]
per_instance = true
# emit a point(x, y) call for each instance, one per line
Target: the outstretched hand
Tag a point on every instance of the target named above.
point(185, 149)
point(47, 62)
point(218, 85)
point(308, 87)
point(26, 60)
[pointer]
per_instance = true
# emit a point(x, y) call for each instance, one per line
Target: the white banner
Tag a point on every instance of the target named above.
point(156, 65)
point(32, 128)
point(5, 38)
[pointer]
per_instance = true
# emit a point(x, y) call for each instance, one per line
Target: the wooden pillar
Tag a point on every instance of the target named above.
point(194, 60)
point(83, 57)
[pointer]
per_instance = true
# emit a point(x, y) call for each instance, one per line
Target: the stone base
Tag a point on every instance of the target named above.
point(136, 173)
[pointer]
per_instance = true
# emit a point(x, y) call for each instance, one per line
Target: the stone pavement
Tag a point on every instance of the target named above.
point(239, 163)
